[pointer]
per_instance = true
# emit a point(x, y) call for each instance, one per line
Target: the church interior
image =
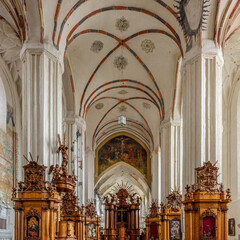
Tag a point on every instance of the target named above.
point(83, 155)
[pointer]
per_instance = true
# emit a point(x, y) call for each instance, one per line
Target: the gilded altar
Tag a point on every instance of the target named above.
point(36, 204)
point(206, 206)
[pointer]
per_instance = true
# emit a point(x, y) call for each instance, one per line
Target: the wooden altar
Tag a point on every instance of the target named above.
point(92, 222)
point(153, 222)
point(205, 206)
point(71, 212)
point(171, 217)
point(36, 204)
point(122, 216)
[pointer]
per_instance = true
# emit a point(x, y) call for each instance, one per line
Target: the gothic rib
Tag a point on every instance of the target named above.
point(112, 8)
point(41, 21)
point(126, 39)
point(7, 7)
point(119, 81)
point(115, 129)
point(71, 77)
point(79, 3)
point(93, 138)
point(141, 62)
point(128, 120)
point(119, 99)
point(234, 14)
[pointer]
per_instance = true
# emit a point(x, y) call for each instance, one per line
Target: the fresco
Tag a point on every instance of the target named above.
point(122, 148)
point(6, 162)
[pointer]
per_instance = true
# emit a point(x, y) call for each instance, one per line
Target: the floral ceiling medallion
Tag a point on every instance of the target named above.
point(122, 92)
point(122, 108)
point(146, 105)
point(120, 62)
point(96, 46)
point(99, 106)
point(122, 24)
point(147, 45)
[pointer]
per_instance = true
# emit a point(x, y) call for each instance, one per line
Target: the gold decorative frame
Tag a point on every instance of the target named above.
point(147, 179)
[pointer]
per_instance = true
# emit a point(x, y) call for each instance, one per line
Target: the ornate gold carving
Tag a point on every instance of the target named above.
point(90, 210)
point(33, 212)
point(61, 179)
point(69, 203)
point(33, 178)
point(207, 178)
point(174, 201)
point(208, 213)
point(154, 209)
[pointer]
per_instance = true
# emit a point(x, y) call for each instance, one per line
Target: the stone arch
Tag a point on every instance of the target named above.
point(234, 138)
point(3, 106)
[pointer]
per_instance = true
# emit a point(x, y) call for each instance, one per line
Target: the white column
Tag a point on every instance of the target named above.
point(154, 173)
point(202, 109)
point(75, 135)
point(171, 157)
point(41, 101)
point(89, 177)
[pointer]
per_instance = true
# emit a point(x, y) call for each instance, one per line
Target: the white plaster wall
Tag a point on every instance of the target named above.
point(234, 212)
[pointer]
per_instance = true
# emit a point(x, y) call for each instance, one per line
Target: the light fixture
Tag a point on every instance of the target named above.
point(122, 120)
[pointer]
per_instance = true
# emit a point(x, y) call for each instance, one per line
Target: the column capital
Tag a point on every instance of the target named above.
point(36, 47)
point(208, 49)
point(76, 120)
point(170, 122)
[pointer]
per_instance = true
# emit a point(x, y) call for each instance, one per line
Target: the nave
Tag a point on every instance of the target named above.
point(144, 94)
point(49, 210)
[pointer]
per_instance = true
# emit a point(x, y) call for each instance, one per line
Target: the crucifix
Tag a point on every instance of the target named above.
point(122, 140)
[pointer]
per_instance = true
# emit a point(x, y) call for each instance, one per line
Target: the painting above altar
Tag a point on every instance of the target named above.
point(125, 149)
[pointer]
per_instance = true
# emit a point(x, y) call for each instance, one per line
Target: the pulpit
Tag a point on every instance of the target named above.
point(153, 222)
point(64, 184)
point(36, 204)
point(206, 206)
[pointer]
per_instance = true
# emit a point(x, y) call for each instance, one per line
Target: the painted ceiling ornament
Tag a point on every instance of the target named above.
point(122, 92)
point(146, 105)
point(120, 62)
point(99, 106)
point(122, 108)
point(122, 24)
point(97, 46)
point(147, 45)
point(192, 16)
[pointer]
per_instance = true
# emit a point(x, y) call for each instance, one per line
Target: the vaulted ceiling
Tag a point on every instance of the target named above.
point(121, 57)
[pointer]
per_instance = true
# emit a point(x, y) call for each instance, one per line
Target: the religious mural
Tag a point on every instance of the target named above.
point(6, 162)
point(125, 149)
